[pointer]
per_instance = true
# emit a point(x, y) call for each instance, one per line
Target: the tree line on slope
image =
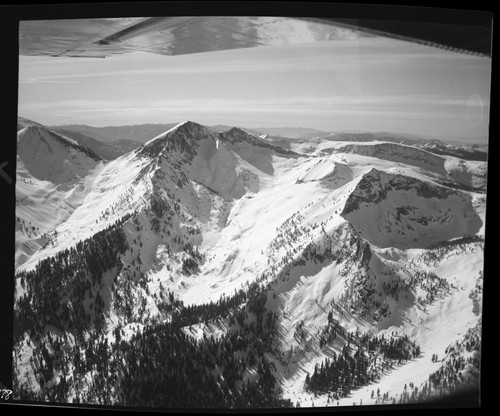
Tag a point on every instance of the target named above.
point(362, 359)
point(55, 291)
point(441, 250)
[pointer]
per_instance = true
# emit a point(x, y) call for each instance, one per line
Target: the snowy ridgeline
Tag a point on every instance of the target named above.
point(220, 270)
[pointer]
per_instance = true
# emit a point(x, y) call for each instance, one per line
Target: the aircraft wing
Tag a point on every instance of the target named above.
point(101, 37)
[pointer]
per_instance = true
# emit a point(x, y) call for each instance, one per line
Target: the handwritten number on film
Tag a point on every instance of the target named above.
point(5, 394)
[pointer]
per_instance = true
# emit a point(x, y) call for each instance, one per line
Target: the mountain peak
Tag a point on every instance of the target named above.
point(183, 136)
point(238, 130)
point(186, 128)
point(24, 122)
point(238, 135)
point(195, 130)
point(189, 124)
point(31, 135)
point(50, 157)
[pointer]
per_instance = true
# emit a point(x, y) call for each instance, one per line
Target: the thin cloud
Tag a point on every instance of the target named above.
point(308, 104)
point(48, 80)
point(394, 108)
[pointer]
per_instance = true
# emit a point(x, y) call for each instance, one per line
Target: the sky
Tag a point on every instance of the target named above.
point(365, 84)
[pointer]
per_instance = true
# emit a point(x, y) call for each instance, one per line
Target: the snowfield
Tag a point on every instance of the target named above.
point(381, 238)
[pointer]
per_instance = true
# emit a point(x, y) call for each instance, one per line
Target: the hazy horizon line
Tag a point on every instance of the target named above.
point(461, 140)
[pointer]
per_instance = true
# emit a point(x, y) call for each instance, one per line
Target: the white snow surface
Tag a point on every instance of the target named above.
point(246, 209)
point(402, 216)
point(53, 177)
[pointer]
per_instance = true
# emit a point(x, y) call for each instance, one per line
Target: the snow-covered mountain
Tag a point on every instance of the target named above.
point(50, 157)
point(454, 171)
point(54, 174)
point(407, 212)
point(208, 269)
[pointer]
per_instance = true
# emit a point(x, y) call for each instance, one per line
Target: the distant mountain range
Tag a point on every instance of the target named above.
point(144, 132)
point(113, 141)
point(106, 150)
point(139, 133)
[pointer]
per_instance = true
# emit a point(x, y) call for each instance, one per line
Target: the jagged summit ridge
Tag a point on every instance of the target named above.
point(186, 128)
point(254, 150)
point(191, 128)
point(236, 134)
point(375, 184)
point(183, 137)
point(25, 122)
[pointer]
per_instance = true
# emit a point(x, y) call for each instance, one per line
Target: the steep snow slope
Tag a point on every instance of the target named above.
point(329, 171)
point(204, 215)
point(169, 166)
point(22, 123)
point(195, 151)
point(236, 256)
point(233, 225)
point(472, 174)
point(252, 149)
point(53, 176)
point(41, 207)
point(109, 198)
point(50, 157)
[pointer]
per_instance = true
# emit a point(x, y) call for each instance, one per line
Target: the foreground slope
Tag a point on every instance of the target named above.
point(220, 270)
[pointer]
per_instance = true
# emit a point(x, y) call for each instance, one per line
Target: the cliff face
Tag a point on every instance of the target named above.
point(391, 210)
